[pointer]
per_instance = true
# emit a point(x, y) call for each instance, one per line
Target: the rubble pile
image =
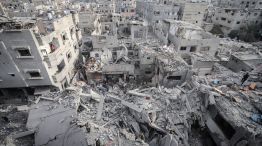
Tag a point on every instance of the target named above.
point(117, 116)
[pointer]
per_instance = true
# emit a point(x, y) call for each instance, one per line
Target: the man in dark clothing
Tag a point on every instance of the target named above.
point(245, 77)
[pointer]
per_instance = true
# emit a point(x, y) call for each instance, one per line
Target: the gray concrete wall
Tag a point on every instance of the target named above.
point(11, 62)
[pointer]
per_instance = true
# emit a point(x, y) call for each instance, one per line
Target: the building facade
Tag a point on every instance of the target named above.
point(40, 53)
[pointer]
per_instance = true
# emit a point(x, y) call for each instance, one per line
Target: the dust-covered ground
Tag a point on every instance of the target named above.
point(13, 122)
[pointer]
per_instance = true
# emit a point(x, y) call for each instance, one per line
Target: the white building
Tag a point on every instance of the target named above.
point(154, 12)
point(39, 53)
point(189, 38)
point(105, 7)
point(194, 12)
point(126, 7)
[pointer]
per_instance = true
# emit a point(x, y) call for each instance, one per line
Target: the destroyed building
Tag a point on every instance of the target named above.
point(187, 38)
point(39, 52)
point(233, 15)
point(194, 12)
point(126, 8)
point(153, 12)
point(244, 61)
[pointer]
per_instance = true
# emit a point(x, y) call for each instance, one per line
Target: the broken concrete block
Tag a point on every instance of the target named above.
point(128, 135)
point(100, 108)
point(132, 106)
point(22, 108)
point(252, 86)
point(212, 99)
point(168, 140)
point(133, 92)
point(23, 134)
point(95, 95)
point(46, 98)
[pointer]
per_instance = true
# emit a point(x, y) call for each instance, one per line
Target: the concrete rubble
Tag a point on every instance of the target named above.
point(141, 115)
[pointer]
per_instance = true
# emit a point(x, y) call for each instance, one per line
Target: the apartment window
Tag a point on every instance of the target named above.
point(193, 49)
point(224, 19)
point(174, 77)
point(148, 72)
point(69, 56)
point(61, 66)
point(96, 55)
point(75, 47)
point(12, 74)
point(72, 32)
point(182, 48)
point(205, 48)
point(64, 37)
point(54, 44)
point(34, 74)
point(157, 12)
point(238, 22)
point(106, 27)
point(24, 52)
point(1, 93)
point(148, 58)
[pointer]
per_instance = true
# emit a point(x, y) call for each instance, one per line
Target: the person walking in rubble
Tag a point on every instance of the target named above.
point(244, 78)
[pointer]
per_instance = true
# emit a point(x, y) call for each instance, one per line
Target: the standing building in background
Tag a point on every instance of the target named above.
point(126, 8)
point(194, 13)
point(232, 15)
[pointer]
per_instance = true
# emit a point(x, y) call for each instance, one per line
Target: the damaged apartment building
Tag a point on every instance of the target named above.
point(233, 15)
point(30, 8)
point(113, 45)
point(185, 10)
point(39, 53)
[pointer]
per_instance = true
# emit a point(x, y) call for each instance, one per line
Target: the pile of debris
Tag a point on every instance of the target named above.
point(114, 115)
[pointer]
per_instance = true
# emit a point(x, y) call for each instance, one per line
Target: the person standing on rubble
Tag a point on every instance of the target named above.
point(244, 78)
